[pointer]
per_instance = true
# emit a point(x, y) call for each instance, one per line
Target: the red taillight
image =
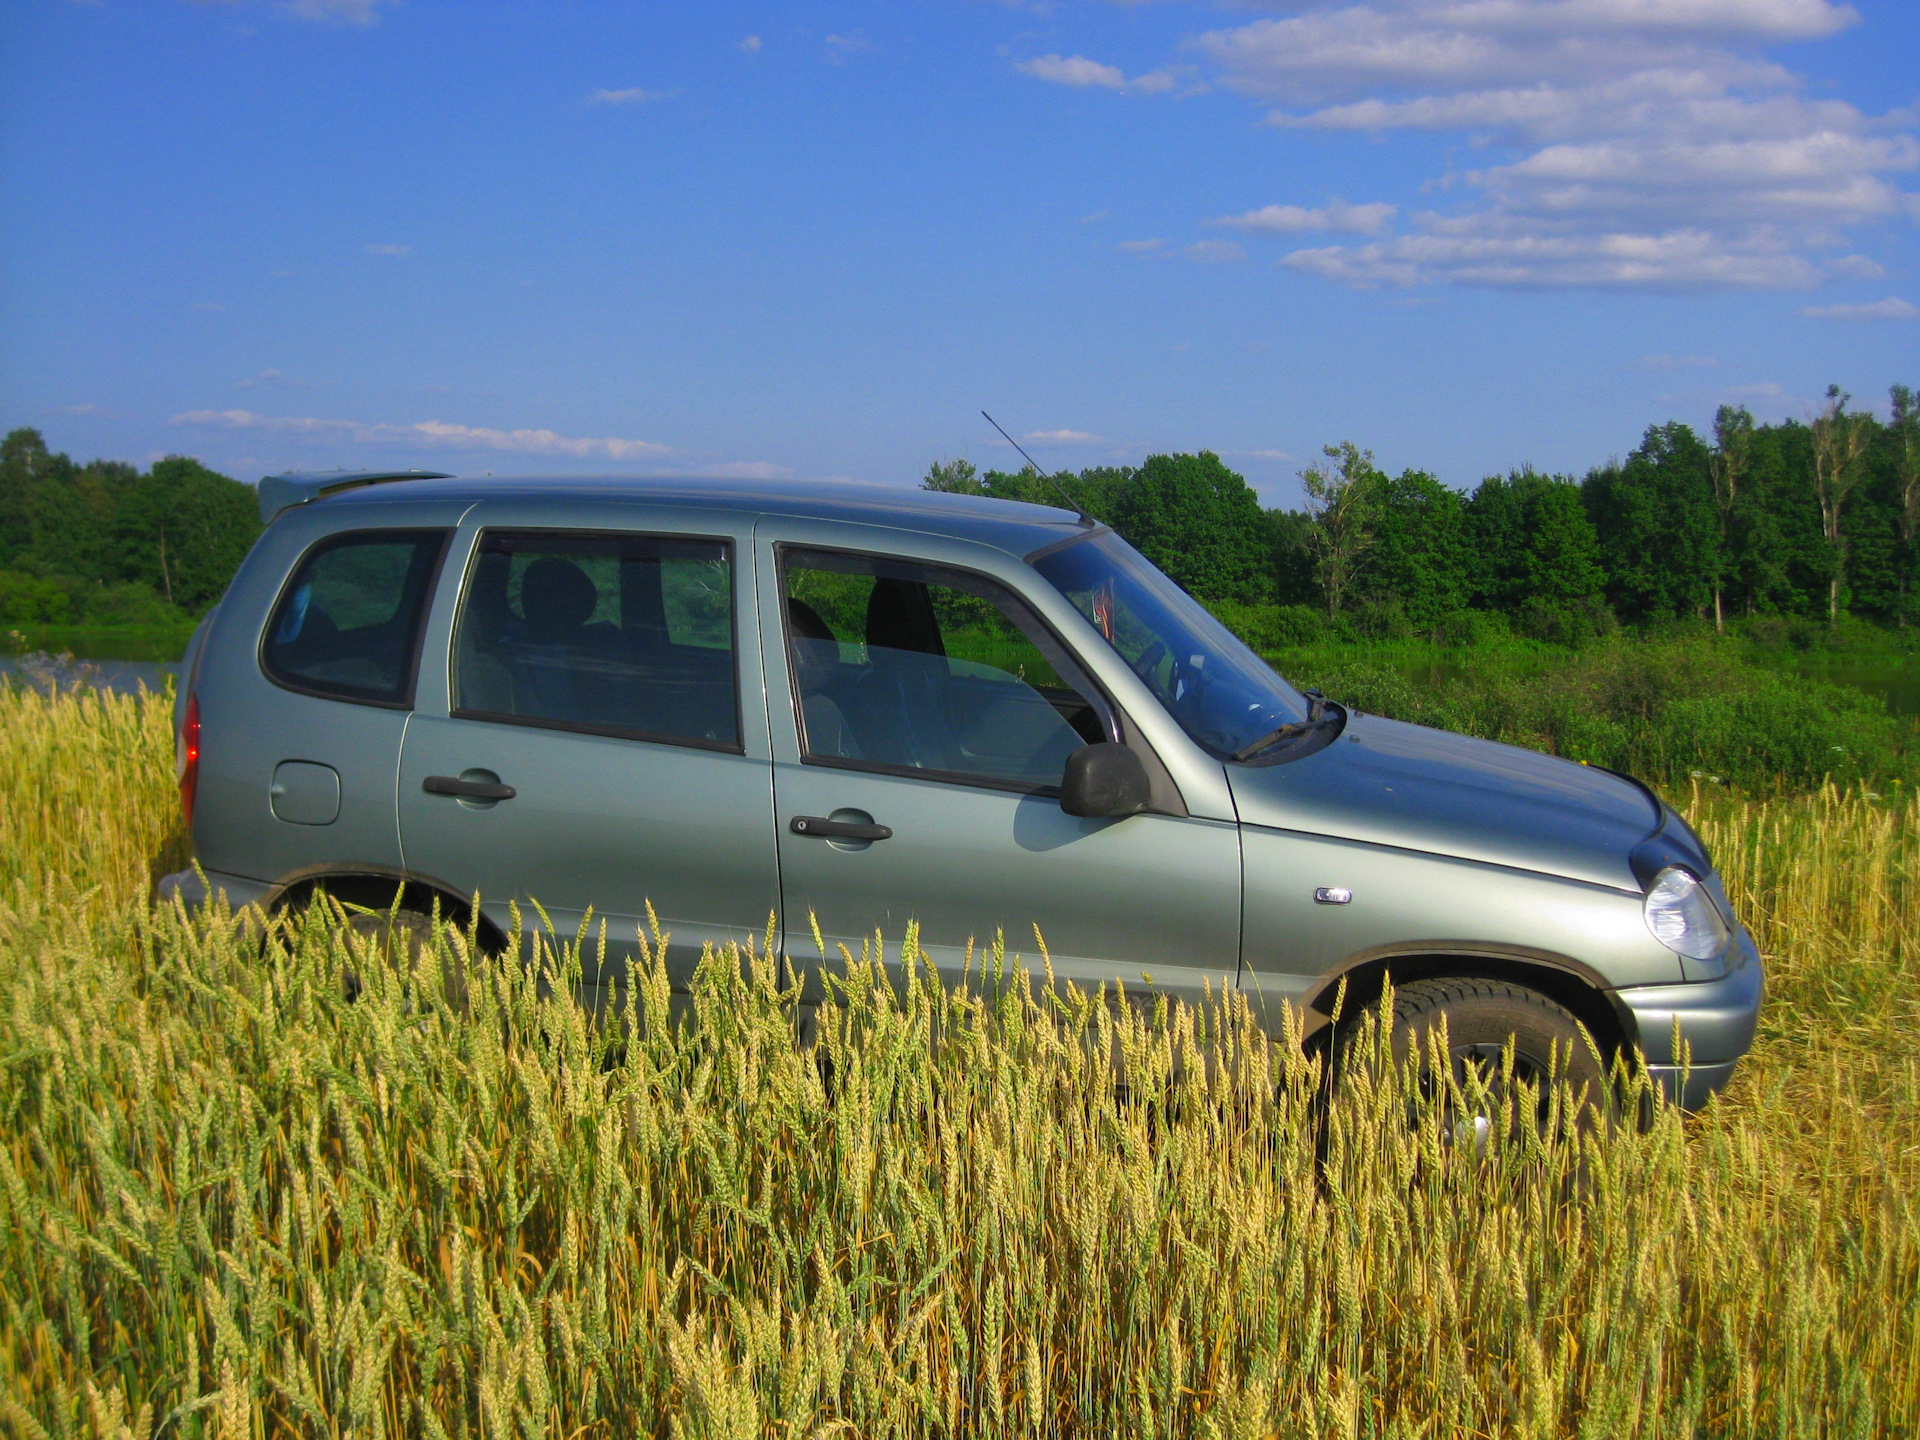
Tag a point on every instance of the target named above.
point(187, 757)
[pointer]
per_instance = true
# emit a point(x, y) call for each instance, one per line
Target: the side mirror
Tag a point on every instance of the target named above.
point(1103, 781)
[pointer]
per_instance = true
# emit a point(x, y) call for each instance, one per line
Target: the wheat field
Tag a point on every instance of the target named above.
point(234, 1203)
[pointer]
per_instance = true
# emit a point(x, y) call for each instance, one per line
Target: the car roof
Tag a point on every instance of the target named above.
point(1009, 525)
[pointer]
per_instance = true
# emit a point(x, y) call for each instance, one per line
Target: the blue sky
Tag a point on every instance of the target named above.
point(818, 239)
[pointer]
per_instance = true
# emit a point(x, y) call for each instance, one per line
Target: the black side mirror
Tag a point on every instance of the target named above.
point(1103, 781)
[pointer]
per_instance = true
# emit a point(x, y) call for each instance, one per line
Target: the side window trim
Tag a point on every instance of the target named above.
point(410, 668)
point(1113, 718)
point(727, 543)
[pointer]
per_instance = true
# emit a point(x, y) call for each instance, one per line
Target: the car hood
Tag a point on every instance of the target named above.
point(1383, 782)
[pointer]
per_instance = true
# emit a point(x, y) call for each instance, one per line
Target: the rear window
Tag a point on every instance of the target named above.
point(349, 624)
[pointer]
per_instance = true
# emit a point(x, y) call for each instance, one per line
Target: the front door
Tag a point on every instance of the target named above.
point(917, 780)
point(596, 677)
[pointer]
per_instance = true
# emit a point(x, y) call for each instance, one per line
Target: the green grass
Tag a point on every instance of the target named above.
point(233, 1203)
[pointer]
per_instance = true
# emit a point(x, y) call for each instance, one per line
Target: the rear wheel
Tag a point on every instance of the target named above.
point(404, 939)
point(1482, 1017)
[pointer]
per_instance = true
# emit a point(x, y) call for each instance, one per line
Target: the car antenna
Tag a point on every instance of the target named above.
point(1072, 504)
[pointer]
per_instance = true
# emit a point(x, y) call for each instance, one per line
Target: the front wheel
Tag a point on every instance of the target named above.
point(1482, 1016)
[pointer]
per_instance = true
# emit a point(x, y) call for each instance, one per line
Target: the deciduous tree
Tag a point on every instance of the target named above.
point(1839, 438)
point(1732, 440)
point(1342, 502)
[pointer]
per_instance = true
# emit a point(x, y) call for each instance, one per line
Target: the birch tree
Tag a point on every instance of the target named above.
point(1733, 438)
point(1838, 441)
point(1341, 500)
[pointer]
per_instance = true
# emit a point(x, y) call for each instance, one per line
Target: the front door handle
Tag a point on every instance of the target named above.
point(818, 827)
point(467, 789)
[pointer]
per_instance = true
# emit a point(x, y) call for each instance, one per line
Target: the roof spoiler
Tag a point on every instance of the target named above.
point(297, 487)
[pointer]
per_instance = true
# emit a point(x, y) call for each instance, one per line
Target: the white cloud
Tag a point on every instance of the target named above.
point(1765, 399)
point(396, 251)
point(1677, 362)
point(1455, 47)
point(269, 379)
point(1081, 73)
point(87, 409)
point(751, 44)
point(1140, 247)
point(431, 434)
point(1292, 219)
point(637, 95)
point(1891, 308)
point(839, 47)
point(1075, 70)
point(1094, 219)
point(1214, 252)
point(1858, 267)
point(1484, 251)
point(1059, 437)
point(335, 12)
point(1630, 143)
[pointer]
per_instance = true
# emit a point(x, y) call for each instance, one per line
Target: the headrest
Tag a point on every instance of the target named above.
point(900, 617)
point(556, 595)
point(806, 622)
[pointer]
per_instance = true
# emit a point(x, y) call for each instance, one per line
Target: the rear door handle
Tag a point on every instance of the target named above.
point(818, 827)
point(467, 789)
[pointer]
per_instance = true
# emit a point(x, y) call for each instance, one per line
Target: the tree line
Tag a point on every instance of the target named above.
point(107, 543)
point(1818, 519)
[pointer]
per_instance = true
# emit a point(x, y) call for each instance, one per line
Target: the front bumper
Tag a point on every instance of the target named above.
point(1693, 1035)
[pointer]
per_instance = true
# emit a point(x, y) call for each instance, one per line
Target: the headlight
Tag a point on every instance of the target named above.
point(1683, 918)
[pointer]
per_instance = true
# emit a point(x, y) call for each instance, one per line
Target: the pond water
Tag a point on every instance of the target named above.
point(1896, 680)
point(123, 677)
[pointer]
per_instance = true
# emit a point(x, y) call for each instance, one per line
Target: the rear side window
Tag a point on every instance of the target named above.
point(349, 623)
point(611, 633)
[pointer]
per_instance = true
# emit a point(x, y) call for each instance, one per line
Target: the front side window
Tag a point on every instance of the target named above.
point(612, 633)
point(1224, 696)
point(901, 666)
point(348, 625)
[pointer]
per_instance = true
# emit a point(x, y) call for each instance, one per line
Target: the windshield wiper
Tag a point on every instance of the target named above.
point(1316, 718)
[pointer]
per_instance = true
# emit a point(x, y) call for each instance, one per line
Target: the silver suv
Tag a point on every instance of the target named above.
point(867, 706)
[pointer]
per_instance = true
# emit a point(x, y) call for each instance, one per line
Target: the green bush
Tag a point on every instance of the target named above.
point(1471, 627)
point(1563, 622)
point(1668, 711)
point(1272, 627)
point(31, 599)
point(129, 603)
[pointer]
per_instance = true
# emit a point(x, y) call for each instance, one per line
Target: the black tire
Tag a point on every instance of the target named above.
point(403, 937)
point(1482, 1016)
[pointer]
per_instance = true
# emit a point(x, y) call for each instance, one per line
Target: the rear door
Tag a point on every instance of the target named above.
point(931, 702)
point(592, 748)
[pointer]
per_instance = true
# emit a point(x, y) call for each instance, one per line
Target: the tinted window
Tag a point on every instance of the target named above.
point(901, 666)
point(349, 624)
point(614, 633)
point(1222, 694)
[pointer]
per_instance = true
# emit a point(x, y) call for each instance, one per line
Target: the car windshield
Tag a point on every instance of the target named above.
point(1223, 695)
